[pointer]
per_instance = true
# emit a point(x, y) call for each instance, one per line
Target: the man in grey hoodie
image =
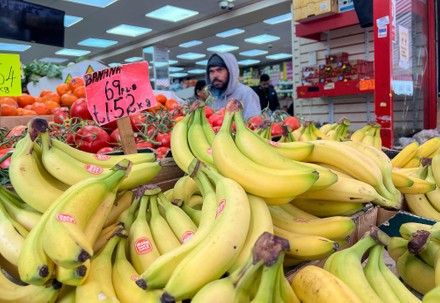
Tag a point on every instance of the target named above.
point(222, 75)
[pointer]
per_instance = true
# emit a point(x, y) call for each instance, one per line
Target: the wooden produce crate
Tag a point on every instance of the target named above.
point(11, 121)
point(168, 175)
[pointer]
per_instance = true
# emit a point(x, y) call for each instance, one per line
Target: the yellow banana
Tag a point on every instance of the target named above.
point(296, 211)
point(433, 196)
point(197, 140)
point(327, 208)
point(12, 237)
point(122, 202)
point(67, 294)
point(207, 128)
point(359, 134)
point(428, 147)
point(73, 276)
point(432, 296)
point(435, 163)
point(179, 142)
point(396, 247)
point(415, 272)
point(400, 179)
point(420, 205)
point(405, 155)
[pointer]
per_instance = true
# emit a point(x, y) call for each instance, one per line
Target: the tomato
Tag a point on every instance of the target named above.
point(163, 139)
point(15, 134)
point(292, 122)
point(60, 114)
point(216, 119)
point(254, 122)
point(105, 150)
point(91, 138)
point(162, 152)
point(115, 137)
point(172, 104)
point(6, 162)
point(110, 127)
point(144, 144)
point(137, 121)
point(208, 111)
point(276, 129)
point(79, 109)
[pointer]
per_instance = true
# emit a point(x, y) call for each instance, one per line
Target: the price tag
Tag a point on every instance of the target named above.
point(116, 92)
point(10, 75)
point(366, 84)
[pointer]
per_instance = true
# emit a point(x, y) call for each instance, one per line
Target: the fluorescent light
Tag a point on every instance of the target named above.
point(114, 64)
point(71, 20)
point(128, 30)
point(178, 75)
point(160, 64)
point(72, 52)
point(171, 62)
point(14, 47)
point(148, 50)
point(203, 62)
point(96, 3)
point(197, 71)
point(248, 62)
point(254, 52)
point(94, 42)
point(222, 48)
point(231, 32)
point(52, 60)
point(191, 56)
point(134, 59)
point(279, 56)
point(261, 39)
point(190, 43)
point(171, 13)
point(279, 19)
point(175, 69)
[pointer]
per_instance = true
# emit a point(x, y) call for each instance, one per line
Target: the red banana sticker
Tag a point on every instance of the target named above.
point(220, 207)
point(209, 150)
point(93, 169)
point(102, 157)
point(186, 236)
point(65, 218)
point(273, 143)
point(143, 246)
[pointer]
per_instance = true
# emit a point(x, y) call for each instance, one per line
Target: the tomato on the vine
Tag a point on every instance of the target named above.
point(254, 122)
point(60, 114)
point(106, 150)
point(162, 151)
point(115, 137)
point(137, 121)
point(79, 109)
point(208, 111)
point(144, 144)
point(292, 122)
point(163, 139)
point(276, 129)
point(6, 162)
point(216, 119)
point(15, 134)
point(91, 138)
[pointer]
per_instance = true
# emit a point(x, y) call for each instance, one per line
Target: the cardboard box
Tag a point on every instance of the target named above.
point(9, 122)
point(169, 171)
point(392, 225)
point(310, 10)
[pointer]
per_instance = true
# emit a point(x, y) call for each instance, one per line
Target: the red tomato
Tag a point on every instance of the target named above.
point(60, 114)
point(144, 144)
point(163, 139)
point(6, 162)
point(216, 119)
point(79, 109)
point(115, 137)
point(292, 122)
point(162, 152)
point(105, 150)
point(137, 121)
point(91, 138)
point(276, 130)
point(208, 111)
point(254, 122)
point(111, 126)
point(15, 134)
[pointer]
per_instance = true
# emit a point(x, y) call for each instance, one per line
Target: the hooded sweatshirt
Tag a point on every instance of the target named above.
point(235, 89)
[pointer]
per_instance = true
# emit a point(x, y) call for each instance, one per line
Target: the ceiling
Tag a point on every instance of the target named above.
point(247, 15)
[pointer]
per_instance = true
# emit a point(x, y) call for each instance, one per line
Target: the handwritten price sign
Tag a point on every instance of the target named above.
point(118, 91)
point(10, 75)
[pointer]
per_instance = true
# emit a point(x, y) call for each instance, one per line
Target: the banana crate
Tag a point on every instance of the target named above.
point(168, 175)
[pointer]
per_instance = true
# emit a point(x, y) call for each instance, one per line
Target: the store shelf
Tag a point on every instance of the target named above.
point(352, 87)
point(313, 29)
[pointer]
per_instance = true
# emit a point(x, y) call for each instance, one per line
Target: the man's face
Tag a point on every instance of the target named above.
point(264, 84)
point(219, 77)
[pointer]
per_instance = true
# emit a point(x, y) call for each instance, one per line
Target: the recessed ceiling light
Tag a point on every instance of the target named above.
point(94, 42)
point(148, 50)
point(231, 32)
point(114, 64)
point(191, 56)
point(248, 62)
point(178, 75)
point(175, 69)
point(14, 47)
point(52, 60)
point(96, 3)
point(254, 52)
point(222, 48)
point(261, 39)
point(171, 62)
point(160, 64)
point(190, 43)
point(128, 30)
point(279, 56)
point(71, 20)
point(203, 62)
point(72, 52)
point(134, 59)
point(196, 71)
point(279, 19)
point(171, 13)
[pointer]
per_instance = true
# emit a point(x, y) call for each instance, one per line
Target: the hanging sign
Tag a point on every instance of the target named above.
point(10, 75)
point(117, 92)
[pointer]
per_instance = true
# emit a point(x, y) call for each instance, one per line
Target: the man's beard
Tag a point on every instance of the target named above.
point(218, 84)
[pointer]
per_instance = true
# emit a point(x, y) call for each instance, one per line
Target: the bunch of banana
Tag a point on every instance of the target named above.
point(337, 131)
point(413, 153)
point(369, 134)
point(264, 129)
point(311, 132)
point(287, 135)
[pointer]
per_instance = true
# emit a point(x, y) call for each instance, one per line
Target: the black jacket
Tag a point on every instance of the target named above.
point(267, 97)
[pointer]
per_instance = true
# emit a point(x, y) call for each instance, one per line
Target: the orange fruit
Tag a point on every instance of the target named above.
point(9, 101)
point(51, 105)
point(75, 82)
point(20, 111)
point(29, 112)
point(80, 91)
point(62, 89)
point(40, 108)
point(25, 99)
point(161, 98)
point(156, 108)
point(68, 99)
point(44, 92)
point(52, 97)
point(171, 104)
point(8, 110)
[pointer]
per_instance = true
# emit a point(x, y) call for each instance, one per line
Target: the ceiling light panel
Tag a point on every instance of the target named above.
point(261, 39)
point(230, 33)
point(96, 3)
point(71, 20)
point(279, 19)
point(175, 69)
point(171, 62)
point(171, 13)
point(203, 62)
point(222, 48)
point(114, 64)
point(254, 53)
point(148, 50)
point(196, 71)
point(52, 60)
point(134, 59)
point(178, 75)
point(128, 30)
point(94, 42)
point(14, 47)
point(191, 56)
point(190, 43)
point(279, 56)
point(248, 62)
point(72, 52)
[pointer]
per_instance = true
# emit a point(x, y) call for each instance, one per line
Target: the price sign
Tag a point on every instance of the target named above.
point(118, 91)
point(10, 75)
point(366, 84)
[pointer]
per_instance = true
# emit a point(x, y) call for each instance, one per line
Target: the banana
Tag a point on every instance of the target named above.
point(207, 129)
point(11, 292)
point(415, 272)
point(420, 205)
point(179, 142)
point(98, 286)
point(419, 186)
point(268, 287)
point(193, 213)
point(67, 294)
point(322, 208)
point(197, 141)
point(435, 163)
point(67, 220)
point(286, 291)
point(124, 276)
point(433, 196)
point(142, 247)
point(359, 134)
point(261, 221)
point(216, 253)
point(73, 276)
point(122, 202)
point(253, 177)
point(428, 147)
point(406, 229)
point(375, 278)
point(325, 128)
point(414, 162)
point(432, 296)
point(295, 211)
point(397, 247)
point(28, 176)
point(377, 140)
point(405, 155)
point(185, 188)
point(163, 235)
point(312, 284)
point(400, 179)
point(12, 237)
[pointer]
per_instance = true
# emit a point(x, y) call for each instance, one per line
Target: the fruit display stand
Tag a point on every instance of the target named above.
point(11, 121)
